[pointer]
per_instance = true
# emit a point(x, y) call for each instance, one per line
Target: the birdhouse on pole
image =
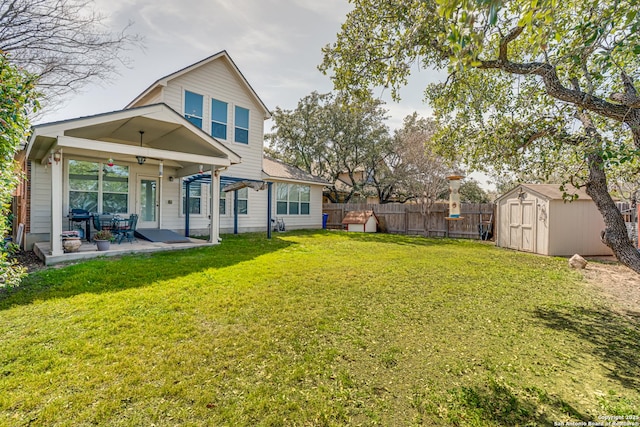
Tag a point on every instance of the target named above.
point(454, 197)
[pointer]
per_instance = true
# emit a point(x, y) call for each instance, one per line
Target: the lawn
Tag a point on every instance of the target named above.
point(314, 329)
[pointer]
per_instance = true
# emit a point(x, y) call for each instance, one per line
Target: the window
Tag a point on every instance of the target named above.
point(193, 107)
point(115, 189)
point(223, 201)
point(195, 198)
point(98, 192)
point(83, 185)
point(242, 125)
point(218, 119)
point(293, 199)
point(243, 201)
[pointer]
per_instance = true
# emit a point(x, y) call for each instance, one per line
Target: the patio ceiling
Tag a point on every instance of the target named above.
point(167, 136)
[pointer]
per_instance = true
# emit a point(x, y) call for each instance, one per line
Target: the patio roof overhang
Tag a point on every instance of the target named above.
point(167, 137)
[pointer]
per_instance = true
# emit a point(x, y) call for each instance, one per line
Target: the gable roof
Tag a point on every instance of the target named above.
point(220, 55)
point(276, 169)
point(118, 133)
point(549, 191)
point(359, 217)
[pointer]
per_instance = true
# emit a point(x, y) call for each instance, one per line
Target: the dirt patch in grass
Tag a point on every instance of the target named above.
point(28, 260)
point(617, 282)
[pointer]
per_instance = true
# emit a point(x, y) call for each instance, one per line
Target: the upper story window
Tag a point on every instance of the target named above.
point(242, 125)
point(193, 110)
point(218, 119)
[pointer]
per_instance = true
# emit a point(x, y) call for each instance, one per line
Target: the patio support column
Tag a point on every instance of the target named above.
point(56, 207)
point(214, 227)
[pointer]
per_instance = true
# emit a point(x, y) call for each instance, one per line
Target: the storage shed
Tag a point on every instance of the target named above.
point(535, 218)
point(362, 221)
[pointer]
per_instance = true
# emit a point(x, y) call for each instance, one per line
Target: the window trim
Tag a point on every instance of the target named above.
point(225, 123)
point(288, 201)
point(100, 191)
point(223, 196)
point(236, 126)
point(184, 108)
point(203, 200)
point(237, 192)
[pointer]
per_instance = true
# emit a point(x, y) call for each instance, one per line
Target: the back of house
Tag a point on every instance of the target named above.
point(204, 124)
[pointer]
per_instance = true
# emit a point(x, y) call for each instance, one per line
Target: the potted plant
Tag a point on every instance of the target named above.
point(103, 239)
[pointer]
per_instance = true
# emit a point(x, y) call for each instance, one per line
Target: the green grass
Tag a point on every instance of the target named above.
point(315, 328)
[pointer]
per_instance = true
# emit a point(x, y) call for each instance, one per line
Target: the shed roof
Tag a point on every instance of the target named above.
point(275, 169)
point(549, 191)
point(359, 217)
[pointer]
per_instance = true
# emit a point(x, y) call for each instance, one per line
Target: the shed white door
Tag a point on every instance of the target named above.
point(522, 225)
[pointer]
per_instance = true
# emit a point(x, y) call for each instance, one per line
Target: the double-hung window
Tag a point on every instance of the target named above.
point(293, 199)
point(97, 187)
point(218, 119)
point(195, 198)
point(223, 201)
point(193, 110)
point(241, 125)
point(243, 201)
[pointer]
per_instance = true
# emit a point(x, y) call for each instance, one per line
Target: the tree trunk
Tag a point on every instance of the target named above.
point(615, 235)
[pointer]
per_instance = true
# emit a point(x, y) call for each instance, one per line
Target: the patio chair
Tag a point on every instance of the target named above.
point(129, 230)
point(96, 222)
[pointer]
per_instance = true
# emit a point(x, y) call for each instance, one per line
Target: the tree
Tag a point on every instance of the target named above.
point(471, 192)
point(17, 100)
point(63, 42)
point(330, 137)
point(533, 84)
point(420, 171)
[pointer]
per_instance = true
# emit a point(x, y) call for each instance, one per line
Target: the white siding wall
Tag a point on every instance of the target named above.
point(40, 205)
point(217, 80)
point(294, 222)
point(542, 226)
point(575, 229)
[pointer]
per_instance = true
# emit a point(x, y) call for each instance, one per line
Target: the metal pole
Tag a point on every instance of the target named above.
point(235, 212)
point(186, 211)
point(269, 207)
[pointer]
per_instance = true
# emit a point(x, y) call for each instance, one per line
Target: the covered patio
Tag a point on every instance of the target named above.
point(133, 159)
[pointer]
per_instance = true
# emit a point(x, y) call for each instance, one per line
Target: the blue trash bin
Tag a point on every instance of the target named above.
point(325, 217)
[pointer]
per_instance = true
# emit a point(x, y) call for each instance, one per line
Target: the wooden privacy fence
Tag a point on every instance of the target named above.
point(400, 218)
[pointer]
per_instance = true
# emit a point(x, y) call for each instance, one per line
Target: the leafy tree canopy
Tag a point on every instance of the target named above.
point(331, 137)
point(537, 85)
point(17, 100)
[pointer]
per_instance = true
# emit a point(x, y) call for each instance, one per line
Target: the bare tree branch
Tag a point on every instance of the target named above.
point(64, 42)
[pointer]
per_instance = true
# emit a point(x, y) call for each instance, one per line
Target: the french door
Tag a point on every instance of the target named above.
point(148, 203)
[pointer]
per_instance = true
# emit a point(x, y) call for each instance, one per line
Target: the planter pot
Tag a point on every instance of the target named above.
point(103, 245)
point(71, 244)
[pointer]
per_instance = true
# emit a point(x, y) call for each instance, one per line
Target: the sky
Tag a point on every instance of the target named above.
point(276, 44)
